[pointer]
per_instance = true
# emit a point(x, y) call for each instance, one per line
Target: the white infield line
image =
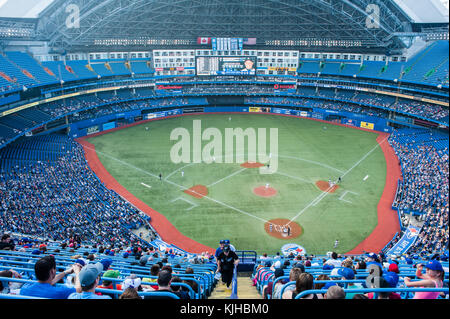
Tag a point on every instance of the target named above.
point(324, 194)
point(175, 184)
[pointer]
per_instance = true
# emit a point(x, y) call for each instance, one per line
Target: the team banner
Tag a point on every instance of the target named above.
point(350, 122)
point(407, 240)
point(367, 125)
point(253, 109)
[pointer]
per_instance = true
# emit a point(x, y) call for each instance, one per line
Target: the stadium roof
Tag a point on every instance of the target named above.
point(22, 8)
point(144, 24)
point(425, 11)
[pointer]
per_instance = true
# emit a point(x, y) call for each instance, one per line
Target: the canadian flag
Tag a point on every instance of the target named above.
point(203, 40)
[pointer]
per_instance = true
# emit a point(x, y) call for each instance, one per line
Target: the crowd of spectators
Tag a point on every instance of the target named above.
point(423, 190)
point(64, 270)
point(288, 276)
point(57, 199)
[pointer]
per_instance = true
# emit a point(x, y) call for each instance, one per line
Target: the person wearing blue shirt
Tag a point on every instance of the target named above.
point(372, 259)
point(89, 278)
point(45, 271)
point(220, 248)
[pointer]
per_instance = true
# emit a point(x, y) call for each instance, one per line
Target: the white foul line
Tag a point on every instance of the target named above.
point(325, 193)
point(167, 177)
point(226, 177)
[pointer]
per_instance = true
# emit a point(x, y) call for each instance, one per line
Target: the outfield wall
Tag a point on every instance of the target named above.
point(114, 121)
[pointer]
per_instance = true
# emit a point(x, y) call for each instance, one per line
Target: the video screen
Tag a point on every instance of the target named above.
point(226, 65)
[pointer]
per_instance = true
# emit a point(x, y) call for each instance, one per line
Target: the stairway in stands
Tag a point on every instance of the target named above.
point(246, 290)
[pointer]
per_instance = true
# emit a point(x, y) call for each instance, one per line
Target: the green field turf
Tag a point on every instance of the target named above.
point(308, 151)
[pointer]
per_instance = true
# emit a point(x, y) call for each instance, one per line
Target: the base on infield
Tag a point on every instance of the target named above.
point(252, 165)
point(263, 191)
point(325, 187)
point(197, 191)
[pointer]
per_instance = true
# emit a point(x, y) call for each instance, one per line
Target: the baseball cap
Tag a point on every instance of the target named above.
point(348, 273)
point(111, 274)
point(143, 260)
point(89, 273)
point(300, 265)
point(222, 241)
point(392, 279)
point(80, 261)
point(434, 265)
point(226, 248)
point(372, 255)
point(327, 267)
point(131, 282)
point(393, 268)
point(106, 263)
point(335, 272)
point(226, 241)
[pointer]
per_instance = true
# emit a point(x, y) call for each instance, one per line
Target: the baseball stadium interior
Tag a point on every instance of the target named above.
point(72, 71)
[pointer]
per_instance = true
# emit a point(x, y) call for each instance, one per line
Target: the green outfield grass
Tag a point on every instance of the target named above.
point(308, 151)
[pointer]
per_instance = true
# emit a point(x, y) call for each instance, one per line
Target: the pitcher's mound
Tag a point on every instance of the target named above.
point(283, 228)
point(252, 165)
point(262, 191)
point(198, 191)
point(325, 187)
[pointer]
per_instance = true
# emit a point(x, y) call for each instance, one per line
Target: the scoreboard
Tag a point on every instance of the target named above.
point(227, 65)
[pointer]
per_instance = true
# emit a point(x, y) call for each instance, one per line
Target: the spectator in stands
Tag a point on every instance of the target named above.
point(305, 282)
point(89, 278)
point(373, 259)
point(192, 283)
point(361, 265)
point(178, 289)
point(164, 280)
point(269, 289)
point(12, 287)
point(130, 293)
point(294, 274)
point(334, 260)
point(219, 249)
point(335, 292)
point(432, 279)
point(45, 271)
point(133, 282)
point(380, 282)
point(107, 284)
point(226, 263)
point(7, 243)
point(154, 271)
